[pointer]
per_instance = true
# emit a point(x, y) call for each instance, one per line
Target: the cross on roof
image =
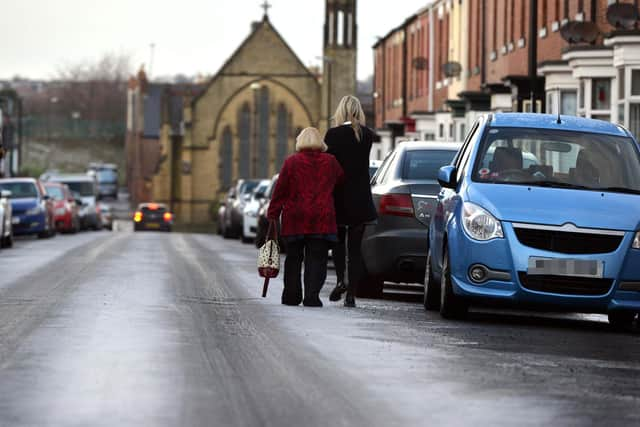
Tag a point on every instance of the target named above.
point(266, 5)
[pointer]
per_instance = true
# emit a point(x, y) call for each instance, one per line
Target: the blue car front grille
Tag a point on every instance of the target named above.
point(568, 242)
point(565, 285)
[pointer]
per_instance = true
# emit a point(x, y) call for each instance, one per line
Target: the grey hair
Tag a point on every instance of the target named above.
point(350, 110)
point(310, 139)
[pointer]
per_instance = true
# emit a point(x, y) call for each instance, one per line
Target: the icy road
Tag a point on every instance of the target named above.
point(137, 329)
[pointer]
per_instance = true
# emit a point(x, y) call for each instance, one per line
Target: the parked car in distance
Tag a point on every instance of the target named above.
point(86, 187)
point(562, 234)
point(404, 192)
point(32, 208)
point(234, 207)
point(106, 215)
point(6, 226)
point(262, 222)
point(250, 212)
point(106, 175)
point(66, 211)
point(153, 217)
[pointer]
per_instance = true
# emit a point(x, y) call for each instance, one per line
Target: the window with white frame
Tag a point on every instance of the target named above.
point(568, 102)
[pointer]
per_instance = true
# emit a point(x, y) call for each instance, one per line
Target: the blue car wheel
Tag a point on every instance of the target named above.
point(451, 305)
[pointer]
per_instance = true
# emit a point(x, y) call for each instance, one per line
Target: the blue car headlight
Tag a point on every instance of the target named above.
point(636, 241)
point(480, 224)
point(34, 211)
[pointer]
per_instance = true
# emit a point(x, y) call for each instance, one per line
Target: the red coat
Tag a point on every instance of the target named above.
point(304, 194)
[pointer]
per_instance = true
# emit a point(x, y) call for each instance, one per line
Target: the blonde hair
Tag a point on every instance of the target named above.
point(310, 139)
point(350, 110)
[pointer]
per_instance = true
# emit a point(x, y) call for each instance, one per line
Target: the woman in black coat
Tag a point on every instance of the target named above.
point(350, 142)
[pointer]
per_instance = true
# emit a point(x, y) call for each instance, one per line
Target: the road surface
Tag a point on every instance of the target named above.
point(157, 329)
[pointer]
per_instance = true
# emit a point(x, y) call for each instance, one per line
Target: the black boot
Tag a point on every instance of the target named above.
point(337, 292)
point(349, 300)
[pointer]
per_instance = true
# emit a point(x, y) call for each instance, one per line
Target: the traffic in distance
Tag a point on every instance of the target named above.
point(57, 202)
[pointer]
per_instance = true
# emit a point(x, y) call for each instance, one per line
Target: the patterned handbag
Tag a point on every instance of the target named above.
point(269, 257)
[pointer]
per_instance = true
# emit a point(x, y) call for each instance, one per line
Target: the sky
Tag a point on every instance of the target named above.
point(40, 37)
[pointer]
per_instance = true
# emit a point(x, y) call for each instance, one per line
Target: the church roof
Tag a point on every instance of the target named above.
point(256, 50)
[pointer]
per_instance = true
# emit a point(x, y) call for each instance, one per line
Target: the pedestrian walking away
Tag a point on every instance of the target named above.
point(350, 142)
point(304, 197)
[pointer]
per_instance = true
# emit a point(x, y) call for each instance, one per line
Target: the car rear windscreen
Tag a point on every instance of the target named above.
point(159, 209)
point(425, 164)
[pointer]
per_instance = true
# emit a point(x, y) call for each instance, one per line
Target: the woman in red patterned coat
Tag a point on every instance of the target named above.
point(304, 197)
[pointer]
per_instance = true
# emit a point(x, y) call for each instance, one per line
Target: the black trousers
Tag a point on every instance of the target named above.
point(356, 263)
point(314, 254)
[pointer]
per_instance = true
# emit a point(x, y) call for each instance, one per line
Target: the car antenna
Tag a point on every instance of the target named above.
point(558, 121)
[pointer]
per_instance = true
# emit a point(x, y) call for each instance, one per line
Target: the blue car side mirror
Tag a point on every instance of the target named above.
point(447, 176)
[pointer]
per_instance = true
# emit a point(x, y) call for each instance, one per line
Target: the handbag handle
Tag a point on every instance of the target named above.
point(272, 230)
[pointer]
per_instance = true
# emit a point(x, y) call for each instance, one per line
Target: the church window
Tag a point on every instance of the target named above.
point(331, 28)
point(226, 158)
point(350, 29)
point(341, 26)
point(263, 133)
point(244, 134)
point(282, 135)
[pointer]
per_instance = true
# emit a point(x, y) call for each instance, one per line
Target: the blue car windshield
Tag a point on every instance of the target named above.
point(20, 190)
point(553, 158)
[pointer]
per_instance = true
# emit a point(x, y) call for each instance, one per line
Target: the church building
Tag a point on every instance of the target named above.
point(187, 145)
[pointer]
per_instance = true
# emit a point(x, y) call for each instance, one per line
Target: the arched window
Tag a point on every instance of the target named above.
point(263, 160)
point(226, 158)
point(244, 135)
point(282, 135)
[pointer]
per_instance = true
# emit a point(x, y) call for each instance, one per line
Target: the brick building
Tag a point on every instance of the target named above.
point(463, 57)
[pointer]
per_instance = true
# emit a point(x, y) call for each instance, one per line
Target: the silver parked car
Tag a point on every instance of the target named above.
point(405, 189)
point(233, 213)
point(6, 220)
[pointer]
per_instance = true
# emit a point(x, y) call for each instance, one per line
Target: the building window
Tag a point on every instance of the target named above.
point(463, 131)
point(581, 95)
point(600, 94)
point(441, 130)
point(451, 131)
point(634, 119)
point(244, 135)
point(550, 109)
point(282, 136)
point(621, 83)
point(226, 158)
point(568, 102)
point(341, 26)
point(263, 133)
point(635, 82)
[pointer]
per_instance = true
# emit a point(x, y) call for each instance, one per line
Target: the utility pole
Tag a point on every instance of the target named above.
point(533, 50)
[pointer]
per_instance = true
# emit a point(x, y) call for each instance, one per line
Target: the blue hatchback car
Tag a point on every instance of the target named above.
point(541, 212)
point(31, 206)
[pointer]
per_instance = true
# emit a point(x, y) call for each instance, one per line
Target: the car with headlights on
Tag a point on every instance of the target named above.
point(66, 209)
point(404, 193)
point(251, 209)
point(560, 234)
point(6, 226)
point(31, 206)
point(152, 217)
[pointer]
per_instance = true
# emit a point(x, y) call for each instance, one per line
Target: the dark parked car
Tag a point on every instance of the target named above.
point(404, 191)
point(152, 216)
point(231, 224)
point(31, 207)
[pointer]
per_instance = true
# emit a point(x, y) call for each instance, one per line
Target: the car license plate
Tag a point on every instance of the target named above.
point(15, 220)
point(565, 267)
point(152, 225)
